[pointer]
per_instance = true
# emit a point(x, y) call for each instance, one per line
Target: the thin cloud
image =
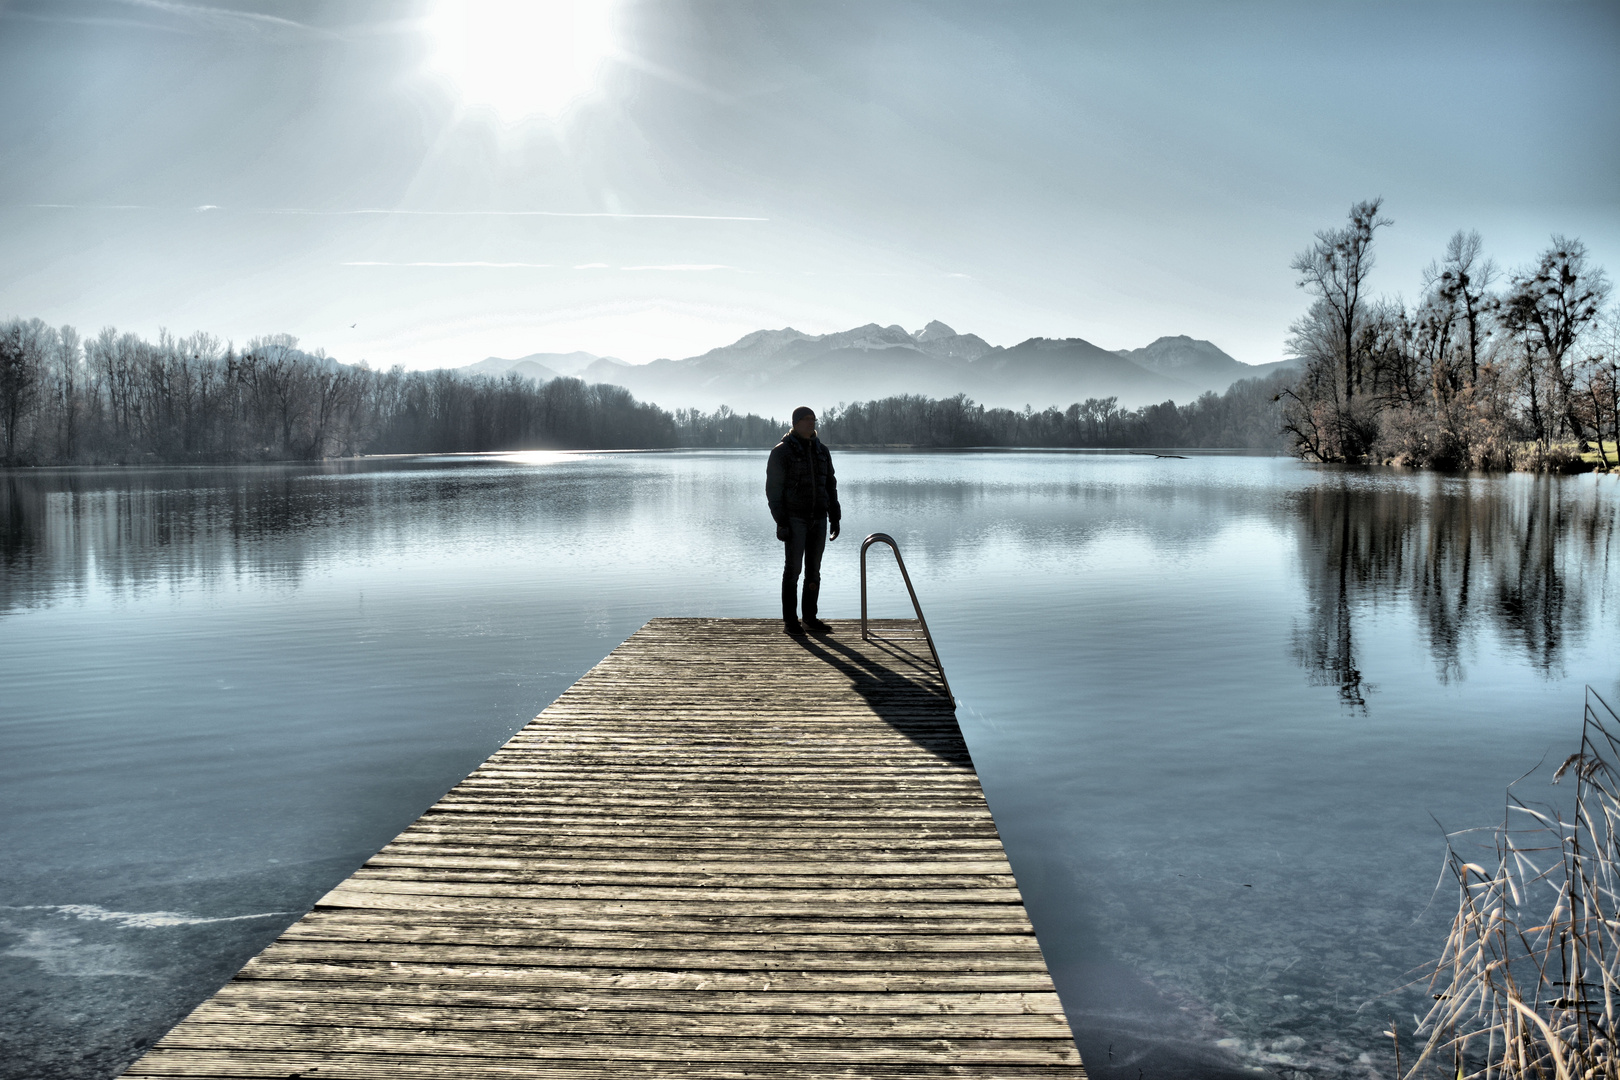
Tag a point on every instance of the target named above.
point(88, 20)
point(511, 213)
point(682, 266)
point(486, 265)
point(225, 17)
point(369, 211)
point(537, 266)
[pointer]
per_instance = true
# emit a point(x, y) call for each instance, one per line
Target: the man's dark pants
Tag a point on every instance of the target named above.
point(807, 541)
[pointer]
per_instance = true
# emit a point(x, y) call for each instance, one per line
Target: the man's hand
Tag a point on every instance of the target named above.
point(834, 534)
point(784, 533)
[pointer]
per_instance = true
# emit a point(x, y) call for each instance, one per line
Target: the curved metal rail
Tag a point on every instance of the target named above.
point(867, 635)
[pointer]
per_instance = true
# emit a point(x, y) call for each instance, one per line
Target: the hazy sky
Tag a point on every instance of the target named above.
point(1113, 171)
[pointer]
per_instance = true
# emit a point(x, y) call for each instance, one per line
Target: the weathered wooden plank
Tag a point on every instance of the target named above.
point(818, 795)
point(534, 1019)
point(674, 801)
point(629, 878)
point(313, 996)
point(584, 864)
point(762, 894)
point(762, 903)
point(342, 927)
point(481, 911)
point(233, 1064)
point(791, 832)
point(723, 852)
point(720, 721)
point(700, 860)
point(487, 833)
point(430, 832)
point(554, 1046)
point(648, 849)
point(922, 776)
point(803, 961)
point(281, 964)
point(679, 853)
point(839, 746)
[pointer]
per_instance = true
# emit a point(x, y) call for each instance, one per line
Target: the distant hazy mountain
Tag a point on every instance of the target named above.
point(542, 367)
point(937, 339)
point(1053, 371)
point(1197, 362)
point(771, 371)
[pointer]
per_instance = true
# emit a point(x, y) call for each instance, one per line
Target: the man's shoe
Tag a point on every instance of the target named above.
point(817, 626)
point(791, 626)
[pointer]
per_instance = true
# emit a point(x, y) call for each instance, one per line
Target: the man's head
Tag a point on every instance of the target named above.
point(804, 422)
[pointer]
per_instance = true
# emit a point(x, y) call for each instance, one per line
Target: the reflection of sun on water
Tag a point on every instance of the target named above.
point(540, 457)
point(521, 58)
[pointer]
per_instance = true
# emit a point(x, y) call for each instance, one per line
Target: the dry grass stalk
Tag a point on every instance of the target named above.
point(1528, 984)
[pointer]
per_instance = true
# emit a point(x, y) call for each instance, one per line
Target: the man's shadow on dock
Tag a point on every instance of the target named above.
point(903, 687)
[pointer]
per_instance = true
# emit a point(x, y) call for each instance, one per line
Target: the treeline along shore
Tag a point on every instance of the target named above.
point(118, 398)
point(1483, 371)
point(1246, 416)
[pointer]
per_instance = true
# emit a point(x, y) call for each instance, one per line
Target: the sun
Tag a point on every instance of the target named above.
point(521, 58)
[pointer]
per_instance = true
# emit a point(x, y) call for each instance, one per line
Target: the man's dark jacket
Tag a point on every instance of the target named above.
point(799, 481)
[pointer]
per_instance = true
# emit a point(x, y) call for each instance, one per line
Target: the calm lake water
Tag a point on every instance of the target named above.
point(1217, 704)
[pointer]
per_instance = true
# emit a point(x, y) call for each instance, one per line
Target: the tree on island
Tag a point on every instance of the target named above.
point(1333, 337)
point(1547, 309)
point(1466, 378)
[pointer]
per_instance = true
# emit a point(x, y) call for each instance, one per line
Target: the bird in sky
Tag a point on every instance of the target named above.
point(353, 325)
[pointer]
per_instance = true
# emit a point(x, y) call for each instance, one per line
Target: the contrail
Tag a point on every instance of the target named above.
point(491, 265)
point(371, 211)
point(512, 213)
point(541, 266)
point(225, 15)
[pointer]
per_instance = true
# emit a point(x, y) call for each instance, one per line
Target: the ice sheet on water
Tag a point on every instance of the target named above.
point(141, 920)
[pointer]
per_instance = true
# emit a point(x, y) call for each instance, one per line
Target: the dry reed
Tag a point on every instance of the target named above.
point(1528, 984)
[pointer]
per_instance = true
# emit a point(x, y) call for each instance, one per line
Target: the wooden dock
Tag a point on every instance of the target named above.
point(724, 852)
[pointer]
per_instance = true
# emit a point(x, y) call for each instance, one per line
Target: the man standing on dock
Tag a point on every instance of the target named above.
point(803, 495)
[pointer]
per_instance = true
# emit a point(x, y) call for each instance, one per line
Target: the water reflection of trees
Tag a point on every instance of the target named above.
point(132, 532)
point(1525, 557)
point(63, 532)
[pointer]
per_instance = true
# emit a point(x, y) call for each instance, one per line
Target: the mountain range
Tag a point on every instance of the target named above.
point(771, 371)
point(542, 366)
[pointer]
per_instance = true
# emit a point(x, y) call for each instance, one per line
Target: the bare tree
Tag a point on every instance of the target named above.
point(1601, 388)
point(1461, 282)
point(1548, 307)
point(1335, 271)
point(67, 365)
point(117, 361)
point(1311, 403)
point(331, 392)
point(280, 380)
point(19, 382)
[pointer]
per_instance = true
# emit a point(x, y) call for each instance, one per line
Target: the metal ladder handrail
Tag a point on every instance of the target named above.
point(866, 635)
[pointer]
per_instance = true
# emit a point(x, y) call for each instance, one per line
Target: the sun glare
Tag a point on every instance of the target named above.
point(521, 58)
